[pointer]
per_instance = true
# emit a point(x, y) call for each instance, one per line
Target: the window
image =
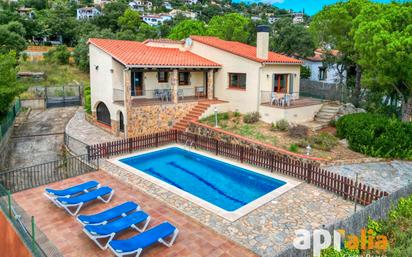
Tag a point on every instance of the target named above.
point(280, 82)
point(162, 76)
point(184, 78)
point(322, 73)
point(237, 80)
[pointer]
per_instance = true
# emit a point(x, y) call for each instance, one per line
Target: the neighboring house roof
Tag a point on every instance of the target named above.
point(318, 55)
point(244, 50)
point(133, 53)
point(163, 40)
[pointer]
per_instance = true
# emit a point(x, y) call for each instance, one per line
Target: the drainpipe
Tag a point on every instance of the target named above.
point(259, 80)
point(125, 117)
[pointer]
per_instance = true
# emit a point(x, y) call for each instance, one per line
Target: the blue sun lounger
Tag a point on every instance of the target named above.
point(103, 234)
point(52, 194)
point(77, 202)
point(136, 244)
point(109, 214)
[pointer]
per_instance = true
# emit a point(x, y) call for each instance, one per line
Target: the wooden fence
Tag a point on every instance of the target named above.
point(274, 162)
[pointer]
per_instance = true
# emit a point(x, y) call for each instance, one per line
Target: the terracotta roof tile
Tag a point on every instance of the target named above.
point(243, 50)
point(133, 53)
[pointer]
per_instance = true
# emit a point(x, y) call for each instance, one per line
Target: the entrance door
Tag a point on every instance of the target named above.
point(137, 83)
point(280, 83)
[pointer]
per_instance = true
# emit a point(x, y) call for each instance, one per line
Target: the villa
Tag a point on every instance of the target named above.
point(139, 88)
point(87, 13)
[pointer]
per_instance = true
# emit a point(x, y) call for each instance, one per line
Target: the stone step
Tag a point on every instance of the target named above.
point(328, 110)
point(325, 115)
point(322, 120)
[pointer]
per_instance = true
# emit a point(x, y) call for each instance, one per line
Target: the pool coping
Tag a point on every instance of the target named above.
point(230, 216)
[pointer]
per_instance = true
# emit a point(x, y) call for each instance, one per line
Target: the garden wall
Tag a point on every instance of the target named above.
point(5, 148)
point(11, 244)
point(228, 137)
point(34, 104)
point(353, 224)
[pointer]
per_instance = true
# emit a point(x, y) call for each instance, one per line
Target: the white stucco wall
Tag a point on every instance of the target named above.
point(295, 115)
point(103, 80)
point(241, 100)
point(332, 73)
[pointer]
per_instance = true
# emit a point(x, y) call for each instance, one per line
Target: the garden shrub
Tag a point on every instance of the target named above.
point(376, 135)
point(293, 148)
point(323, 141)
point(298, 131)
point(282, 125)
point(251, 117)
point(59, 55)
point(87, 100)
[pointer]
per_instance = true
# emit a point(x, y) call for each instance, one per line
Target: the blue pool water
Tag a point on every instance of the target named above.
point(224, 185)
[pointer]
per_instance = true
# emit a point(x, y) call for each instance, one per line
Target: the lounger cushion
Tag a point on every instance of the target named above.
point(74, 189)
point(117, 225)
point(144, 239)
point(87, 197)
point(108, 214)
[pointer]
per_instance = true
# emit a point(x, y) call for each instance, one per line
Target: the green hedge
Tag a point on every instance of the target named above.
point(376, 135)
point(87, 100)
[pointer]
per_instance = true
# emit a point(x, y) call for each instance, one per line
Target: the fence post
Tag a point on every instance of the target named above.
point(88, 152)
point(9, 202)
point(33, 236)
point(309, 173)
point(217, 147)
point(272, 160)
point(241, 153)
point(176, 136)
point(345, 188)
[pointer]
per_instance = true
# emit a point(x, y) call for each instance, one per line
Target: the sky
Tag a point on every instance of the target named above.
point(311, 6)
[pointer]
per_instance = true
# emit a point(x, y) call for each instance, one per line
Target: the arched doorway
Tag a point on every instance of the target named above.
point(103, 114)
point(121, 122)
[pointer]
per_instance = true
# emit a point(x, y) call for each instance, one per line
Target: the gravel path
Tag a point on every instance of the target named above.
point(388, 176)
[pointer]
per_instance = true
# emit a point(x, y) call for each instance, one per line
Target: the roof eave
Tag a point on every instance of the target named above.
point(284, 63)
point(174, 66)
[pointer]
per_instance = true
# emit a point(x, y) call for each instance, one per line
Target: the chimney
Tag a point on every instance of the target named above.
point(262, 42)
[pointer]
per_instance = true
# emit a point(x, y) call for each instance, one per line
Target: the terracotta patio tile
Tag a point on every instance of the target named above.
point(194, 240)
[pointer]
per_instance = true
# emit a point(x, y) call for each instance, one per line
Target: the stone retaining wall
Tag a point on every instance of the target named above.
point(225, 136)
point(151, 119)
point(5, 148)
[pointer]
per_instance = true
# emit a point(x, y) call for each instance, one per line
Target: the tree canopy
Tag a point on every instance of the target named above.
point(383, 40)
point(9, 87)
point(291, 38)
point(186, 28)
point(232, 26)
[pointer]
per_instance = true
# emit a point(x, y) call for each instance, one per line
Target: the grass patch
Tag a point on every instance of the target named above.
point(55, 75)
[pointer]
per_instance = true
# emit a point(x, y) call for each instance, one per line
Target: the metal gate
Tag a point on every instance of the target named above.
point(63, 96)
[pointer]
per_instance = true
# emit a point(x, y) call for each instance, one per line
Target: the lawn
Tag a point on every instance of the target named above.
point(324, 143)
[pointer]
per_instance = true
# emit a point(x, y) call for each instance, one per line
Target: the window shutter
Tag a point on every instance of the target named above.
point(273, 82)
point(291, 84)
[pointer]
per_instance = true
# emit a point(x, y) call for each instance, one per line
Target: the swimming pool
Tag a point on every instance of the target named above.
point(219, 183)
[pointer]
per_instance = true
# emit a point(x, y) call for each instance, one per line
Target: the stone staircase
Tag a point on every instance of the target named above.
point(193, 114)
point(327, 113)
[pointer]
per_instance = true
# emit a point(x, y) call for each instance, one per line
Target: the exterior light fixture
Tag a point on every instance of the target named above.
point(216, 117)
point(96, 67)
point(308, 150)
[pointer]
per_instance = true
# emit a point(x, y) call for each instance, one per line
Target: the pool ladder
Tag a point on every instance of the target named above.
point(189, 143)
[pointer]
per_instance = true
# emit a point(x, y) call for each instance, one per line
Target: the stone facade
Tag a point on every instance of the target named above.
point(150, 119)
point(210, 84)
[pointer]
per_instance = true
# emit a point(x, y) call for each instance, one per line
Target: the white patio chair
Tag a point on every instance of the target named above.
point(274, 99)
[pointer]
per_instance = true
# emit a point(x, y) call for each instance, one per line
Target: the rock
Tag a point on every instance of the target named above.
point(348, 108)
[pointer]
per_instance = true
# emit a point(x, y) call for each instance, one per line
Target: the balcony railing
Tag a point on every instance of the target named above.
point(158, 96)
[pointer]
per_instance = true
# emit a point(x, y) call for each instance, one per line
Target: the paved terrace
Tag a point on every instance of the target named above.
point(66, 233)
point(268, 229)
